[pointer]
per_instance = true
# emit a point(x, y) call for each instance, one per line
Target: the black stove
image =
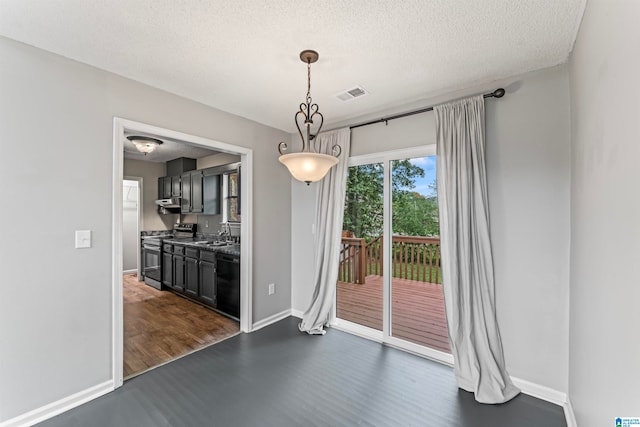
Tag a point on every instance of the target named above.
point(152, 251)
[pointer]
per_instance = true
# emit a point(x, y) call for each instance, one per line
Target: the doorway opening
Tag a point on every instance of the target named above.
point(138, 296)
point(390, 286)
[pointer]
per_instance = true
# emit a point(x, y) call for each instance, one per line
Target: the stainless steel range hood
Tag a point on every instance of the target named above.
point(173, 203)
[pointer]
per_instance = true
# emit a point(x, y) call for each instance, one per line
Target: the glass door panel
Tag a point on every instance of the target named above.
point(417, 301)
point(359, 295)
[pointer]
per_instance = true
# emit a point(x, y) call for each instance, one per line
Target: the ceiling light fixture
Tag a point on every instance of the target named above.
point(308, 165)
point(144, 144)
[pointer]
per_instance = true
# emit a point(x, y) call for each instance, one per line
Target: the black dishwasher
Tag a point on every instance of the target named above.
point(228, 284)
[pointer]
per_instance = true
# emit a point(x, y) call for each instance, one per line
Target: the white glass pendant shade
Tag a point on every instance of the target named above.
point(308, 167)
point(145, 147)
point(144, 144)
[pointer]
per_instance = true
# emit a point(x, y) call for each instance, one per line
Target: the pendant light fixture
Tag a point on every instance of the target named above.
point(308, 165)
point(144, 144)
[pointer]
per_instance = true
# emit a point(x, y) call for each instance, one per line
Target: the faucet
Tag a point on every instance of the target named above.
point(224, 231)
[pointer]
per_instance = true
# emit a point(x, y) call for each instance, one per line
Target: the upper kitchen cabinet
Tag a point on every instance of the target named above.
point(169, 187)
point(192, 201)
point(211, 192)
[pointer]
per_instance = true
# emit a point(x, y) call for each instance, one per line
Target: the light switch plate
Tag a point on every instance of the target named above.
point(83, 239)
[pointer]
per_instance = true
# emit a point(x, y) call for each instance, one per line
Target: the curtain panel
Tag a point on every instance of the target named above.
point(467, 264)
point(328, 219)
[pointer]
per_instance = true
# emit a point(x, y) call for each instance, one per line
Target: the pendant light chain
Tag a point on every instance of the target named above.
point(308, 79)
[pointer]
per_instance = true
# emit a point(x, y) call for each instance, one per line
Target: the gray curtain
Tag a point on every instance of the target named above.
point(467, 264)
point(329, 213)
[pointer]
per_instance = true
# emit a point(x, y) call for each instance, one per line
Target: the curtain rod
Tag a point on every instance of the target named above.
point(498, 93)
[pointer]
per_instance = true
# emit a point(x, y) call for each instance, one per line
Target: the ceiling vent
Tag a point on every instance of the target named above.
point(353, 93)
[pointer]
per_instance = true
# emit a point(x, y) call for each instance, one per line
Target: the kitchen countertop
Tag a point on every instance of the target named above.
point(229, 249)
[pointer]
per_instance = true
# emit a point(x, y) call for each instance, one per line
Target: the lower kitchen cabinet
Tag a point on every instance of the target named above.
point(191, 276)
point(209, 277)
point(167, 269)
point(178, 273)
point(208, 282)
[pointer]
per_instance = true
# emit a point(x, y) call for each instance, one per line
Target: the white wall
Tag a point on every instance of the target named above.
point(528, 160)
point(130, 232)
point(303, 211)
point(56, 307)
point(216, 160)
point(150, 172)
point(605, 215)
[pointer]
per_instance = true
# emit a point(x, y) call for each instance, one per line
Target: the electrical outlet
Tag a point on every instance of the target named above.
point(272, 288)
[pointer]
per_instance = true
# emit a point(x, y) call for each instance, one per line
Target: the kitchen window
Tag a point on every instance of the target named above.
point(231, 196)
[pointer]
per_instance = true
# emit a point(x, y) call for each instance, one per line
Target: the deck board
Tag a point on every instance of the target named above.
point(417, 307)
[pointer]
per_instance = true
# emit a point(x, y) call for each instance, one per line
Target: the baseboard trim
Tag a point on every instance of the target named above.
point(52, 409)
point(541, 392)
point(569, 415)
point(297, 313)
point(271, 319)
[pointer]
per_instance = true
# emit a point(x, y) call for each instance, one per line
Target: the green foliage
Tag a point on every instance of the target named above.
point(413, 213)
point(363, 201)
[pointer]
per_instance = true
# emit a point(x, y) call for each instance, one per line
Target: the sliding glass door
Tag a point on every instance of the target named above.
point(359, 294)
point(390, 282)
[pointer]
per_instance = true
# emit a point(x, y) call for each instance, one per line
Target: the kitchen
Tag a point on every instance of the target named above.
point(185, 292)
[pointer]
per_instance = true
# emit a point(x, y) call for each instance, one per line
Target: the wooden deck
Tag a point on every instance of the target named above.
point(417, 308)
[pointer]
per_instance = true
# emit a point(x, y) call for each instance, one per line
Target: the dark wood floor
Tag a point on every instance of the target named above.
point(160, 326)
point(280, 377)
point(417, 309)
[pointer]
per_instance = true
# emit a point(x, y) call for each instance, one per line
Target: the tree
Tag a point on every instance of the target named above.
point(413, 213)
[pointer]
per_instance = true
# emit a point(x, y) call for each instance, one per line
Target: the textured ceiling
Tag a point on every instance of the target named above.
point(242, 56)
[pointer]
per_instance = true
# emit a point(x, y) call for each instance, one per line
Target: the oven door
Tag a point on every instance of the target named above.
point(151, 261)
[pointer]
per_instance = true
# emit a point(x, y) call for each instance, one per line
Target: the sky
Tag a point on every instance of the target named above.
point(429, 166)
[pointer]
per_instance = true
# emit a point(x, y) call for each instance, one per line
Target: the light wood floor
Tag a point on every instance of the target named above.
point(160, 326)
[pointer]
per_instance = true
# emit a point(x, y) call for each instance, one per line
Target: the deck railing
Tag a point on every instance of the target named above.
point(412, 257)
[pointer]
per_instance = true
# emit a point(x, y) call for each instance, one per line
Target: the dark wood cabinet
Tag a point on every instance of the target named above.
point(167, 269)
point(185, 203)
point(169, 187)
point(176, 187)
point(178, 272)
point(196, 192)
point(191, 183)
point(191, 276)
point(211, 194)
point(208, 277)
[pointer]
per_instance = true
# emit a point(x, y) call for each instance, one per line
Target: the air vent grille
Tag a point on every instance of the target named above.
point(352, 93)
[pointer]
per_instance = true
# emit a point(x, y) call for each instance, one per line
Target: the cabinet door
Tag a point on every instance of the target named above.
point(166, 187)
point(185, 181)
point(196, 192)
point(178, 273)
point(191, 276)
point(208, 282)
point(176, 190)
point(161, 187)
point(211, 194)
point(167, 269)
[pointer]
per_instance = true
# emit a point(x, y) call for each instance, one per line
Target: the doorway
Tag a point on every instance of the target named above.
point(131, 224)
point(390, 285)
point(122, 127)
